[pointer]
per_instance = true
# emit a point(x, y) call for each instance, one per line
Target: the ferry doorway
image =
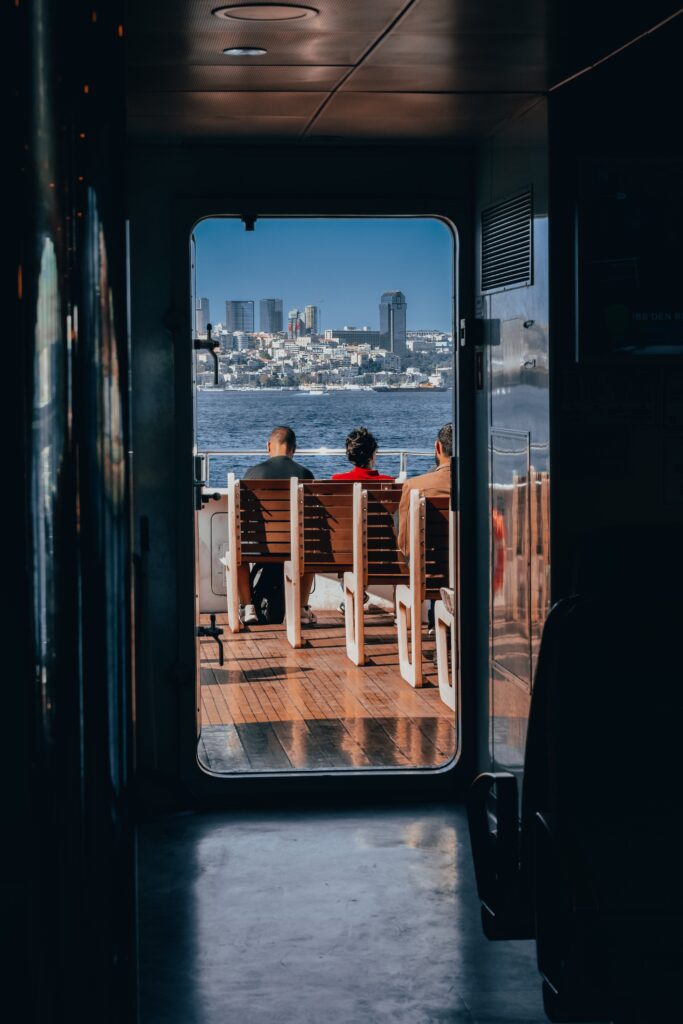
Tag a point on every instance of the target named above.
point(350, 347)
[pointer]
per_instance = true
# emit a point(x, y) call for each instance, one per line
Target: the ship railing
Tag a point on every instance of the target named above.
point(210, 456)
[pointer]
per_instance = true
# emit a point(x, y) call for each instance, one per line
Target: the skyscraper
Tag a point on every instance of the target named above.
point(312, 319)
point(270, 319)
point(295, 324)
point(239, 315)
point(392, 322)
point(203, 316)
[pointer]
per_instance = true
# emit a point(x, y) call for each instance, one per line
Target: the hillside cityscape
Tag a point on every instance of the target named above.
point(297, 352)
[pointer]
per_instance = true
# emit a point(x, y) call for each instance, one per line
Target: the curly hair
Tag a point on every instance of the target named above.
point(445, 436)
point(360, 447)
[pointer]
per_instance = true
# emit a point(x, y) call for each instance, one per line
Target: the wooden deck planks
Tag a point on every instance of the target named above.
point(271, 708)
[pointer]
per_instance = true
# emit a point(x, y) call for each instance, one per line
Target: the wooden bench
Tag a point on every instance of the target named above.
point(445, 630)
point(320, 539)
point(376, 557)
point(258, 532)
point(429, 531)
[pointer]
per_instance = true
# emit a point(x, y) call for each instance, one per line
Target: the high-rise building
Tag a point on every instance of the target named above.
point(271, 316)
point(203, 316)
point(295, 324)
point(239, 315)
point(312, 319)
point(392, 322)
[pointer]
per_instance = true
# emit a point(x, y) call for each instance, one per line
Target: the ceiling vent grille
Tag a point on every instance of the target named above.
point(506, 250)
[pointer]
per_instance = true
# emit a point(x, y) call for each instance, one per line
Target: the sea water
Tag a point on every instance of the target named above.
point(244, 419)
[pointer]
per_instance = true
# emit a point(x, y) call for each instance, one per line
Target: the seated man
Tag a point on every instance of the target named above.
point(361, 451)
point(435, 484)
point(279, 465)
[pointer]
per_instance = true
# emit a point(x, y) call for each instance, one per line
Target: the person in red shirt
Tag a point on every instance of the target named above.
point(361, 449)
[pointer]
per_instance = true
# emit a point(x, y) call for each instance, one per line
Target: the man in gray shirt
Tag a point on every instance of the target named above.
point(278, 466)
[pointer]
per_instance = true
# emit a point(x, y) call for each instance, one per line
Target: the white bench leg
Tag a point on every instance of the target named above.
point(444, 634)
point(232, 595)
point(353, 618)
point(293, 605)
point(409, 661)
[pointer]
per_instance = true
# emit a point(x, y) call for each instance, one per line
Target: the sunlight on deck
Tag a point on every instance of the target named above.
point(272, 708)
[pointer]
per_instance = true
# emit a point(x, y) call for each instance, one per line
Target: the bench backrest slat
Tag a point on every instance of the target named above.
point(263, 521)
point(322, 536)
point(436, 543)
point(325, 525)
point(384, 562)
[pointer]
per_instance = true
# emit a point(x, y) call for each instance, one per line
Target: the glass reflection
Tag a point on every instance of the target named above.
point(48, 433)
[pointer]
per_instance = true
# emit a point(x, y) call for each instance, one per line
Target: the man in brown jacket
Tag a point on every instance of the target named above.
point(435, 484)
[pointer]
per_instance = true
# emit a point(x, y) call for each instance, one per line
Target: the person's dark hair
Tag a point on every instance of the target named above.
point(360, 447)
point(285, 436)
point(445, 437)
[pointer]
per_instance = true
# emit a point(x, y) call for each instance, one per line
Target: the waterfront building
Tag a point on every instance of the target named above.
point(240, 341)
point(392, 322)
point(421, 344)
point(390, 361)
point(239, 315)
point(431, 332)
point(202, 316)
point(270, 316)
point(355, 336)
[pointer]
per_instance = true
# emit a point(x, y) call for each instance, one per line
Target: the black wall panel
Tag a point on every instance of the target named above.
point(69, 705)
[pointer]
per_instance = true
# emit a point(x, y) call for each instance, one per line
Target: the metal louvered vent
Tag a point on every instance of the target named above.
point(506, 251)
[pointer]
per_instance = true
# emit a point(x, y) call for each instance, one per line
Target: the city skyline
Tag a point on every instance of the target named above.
point(341, 266)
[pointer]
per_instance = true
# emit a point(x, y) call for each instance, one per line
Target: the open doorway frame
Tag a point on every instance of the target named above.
point(411, 783)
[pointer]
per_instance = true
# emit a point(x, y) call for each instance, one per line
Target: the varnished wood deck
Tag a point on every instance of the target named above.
point(271, 708)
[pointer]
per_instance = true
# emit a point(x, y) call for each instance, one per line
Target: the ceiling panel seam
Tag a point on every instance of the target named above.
point(613, 53)
point(366, 53)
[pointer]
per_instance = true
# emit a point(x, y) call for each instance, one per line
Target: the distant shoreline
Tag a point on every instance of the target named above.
point(380, 389)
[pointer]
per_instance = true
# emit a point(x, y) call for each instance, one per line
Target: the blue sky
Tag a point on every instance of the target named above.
point(343, 266)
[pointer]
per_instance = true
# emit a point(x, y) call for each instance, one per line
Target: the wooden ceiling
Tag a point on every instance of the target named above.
point(411, 70)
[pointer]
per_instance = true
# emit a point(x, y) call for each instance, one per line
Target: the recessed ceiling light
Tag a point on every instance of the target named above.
point(265, 12)
point(244, 51)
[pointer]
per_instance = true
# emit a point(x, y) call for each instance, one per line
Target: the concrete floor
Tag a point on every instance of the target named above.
point(342, 917)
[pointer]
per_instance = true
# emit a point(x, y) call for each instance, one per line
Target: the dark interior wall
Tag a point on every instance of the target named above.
point(170, 188)
point(511, 437)
point(70, 897)
point(581, 33)
point(617, 421)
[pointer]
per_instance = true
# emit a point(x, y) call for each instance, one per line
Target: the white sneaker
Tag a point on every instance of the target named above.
point(308, 616)
point(248, 615)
